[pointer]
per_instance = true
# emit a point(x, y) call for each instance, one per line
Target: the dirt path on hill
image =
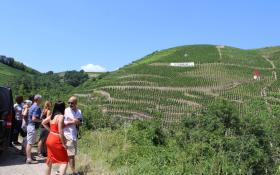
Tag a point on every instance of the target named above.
point(218, 64)
point(82, 95)
point(141, 75)
point(274, 74)
point(104, 94)
point(265, 89)
point(206, 90)
point(219, 51)
point(271, 62)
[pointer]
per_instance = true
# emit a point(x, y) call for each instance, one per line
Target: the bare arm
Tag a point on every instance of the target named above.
point(46, 121)
point(60, 129)
point(35, 119)
point(78, 122)
point(49, 114)
point(72, 122)
point(24, 113)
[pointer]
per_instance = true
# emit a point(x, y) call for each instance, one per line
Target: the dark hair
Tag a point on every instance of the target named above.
point(58, 108)
point(19, 99)
point(31, 98)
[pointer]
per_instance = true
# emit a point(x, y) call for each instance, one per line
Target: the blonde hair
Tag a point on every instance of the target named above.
point(47, 105)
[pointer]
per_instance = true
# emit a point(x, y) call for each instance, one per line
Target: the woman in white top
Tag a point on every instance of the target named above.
point(18, 107)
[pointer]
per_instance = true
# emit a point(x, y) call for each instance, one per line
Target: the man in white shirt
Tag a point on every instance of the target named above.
point(72, 119)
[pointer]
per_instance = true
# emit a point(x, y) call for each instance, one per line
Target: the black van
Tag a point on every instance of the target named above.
point(6, 115)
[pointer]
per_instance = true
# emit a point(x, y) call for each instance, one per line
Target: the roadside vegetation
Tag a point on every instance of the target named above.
point(216, 140)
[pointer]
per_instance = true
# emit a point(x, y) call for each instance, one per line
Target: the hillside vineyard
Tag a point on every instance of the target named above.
point(151, 88)
point(198, 109)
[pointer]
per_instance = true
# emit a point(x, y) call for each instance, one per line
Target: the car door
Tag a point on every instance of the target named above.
point(6, 112)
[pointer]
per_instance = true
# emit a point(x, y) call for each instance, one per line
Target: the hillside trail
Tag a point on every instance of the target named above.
point(219, 50)
point(265, 89)
point(82, 95)
point(207, 90)
point(219, 64)
point(270, 61)
point(274, 74)
point(140, 75)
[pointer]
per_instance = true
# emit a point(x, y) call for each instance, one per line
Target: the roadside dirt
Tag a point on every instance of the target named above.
point(12, 162)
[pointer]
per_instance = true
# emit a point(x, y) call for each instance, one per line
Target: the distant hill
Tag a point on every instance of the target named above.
point(26, 81)
point(10, 69)
point(7, 73)
point(150, 87)
point(9, 61)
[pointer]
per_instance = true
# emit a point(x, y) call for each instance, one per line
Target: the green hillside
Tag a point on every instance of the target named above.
point(213, 118)
point(30, 82)
point(150, 87)
point(8, 73)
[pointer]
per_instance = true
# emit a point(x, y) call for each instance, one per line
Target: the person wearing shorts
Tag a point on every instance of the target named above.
point(72, 119)
point(34, 115)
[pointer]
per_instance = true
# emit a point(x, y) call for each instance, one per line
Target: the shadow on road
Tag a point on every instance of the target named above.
point(11, 156)
point(12, 160)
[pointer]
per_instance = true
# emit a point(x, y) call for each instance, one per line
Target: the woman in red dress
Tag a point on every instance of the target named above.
point(56, 147)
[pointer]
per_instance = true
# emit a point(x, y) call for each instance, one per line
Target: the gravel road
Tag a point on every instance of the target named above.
point(13, 163)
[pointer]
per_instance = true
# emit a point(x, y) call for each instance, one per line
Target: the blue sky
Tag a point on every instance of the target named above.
point(63, 35)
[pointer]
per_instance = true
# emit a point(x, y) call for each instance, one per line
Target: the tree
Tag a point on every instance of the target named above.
point(75, 78)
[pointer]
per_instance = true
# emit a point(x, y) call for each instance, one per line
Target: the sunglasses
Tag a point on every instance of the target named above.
point(71, 103)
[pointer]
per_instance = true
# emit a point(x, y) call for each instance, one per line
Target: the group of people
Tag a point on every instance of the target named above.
point(58, 131)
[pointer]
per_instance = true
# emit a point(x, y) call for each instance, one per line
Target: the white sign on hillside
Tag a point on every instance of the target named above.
point(186, 64)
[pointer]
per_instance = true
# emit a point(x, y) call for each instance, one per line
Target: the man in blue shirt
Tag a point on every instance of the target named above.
point(34, 115)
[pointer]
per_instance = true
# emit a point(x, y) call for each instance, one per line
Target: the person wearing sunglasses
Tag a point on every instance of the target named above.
point(73, 119)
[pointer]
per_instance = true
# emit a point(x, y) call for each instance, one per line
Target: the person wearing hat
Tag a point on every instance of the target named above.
point(33, 117)
point(18, 107)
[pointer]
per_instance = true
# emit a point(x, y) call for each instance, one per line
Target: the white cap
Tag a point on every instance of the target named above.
point(37, 97)
point(28, 101)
